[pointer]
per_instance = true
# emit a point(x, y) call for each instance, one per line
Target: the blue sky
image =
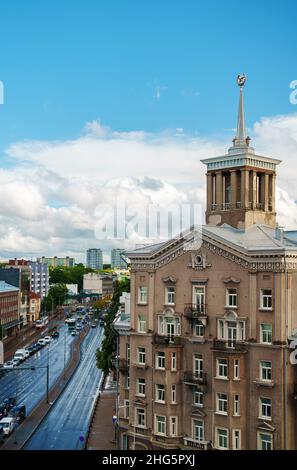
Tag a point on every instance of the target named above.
point(64, 63)
point(120, 99)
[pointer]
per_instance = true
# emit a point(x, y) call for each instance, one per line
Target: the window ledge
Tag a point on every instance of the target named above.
point(141, 303)
point(263, 309)
point(265, 418)
point(160, 402)
point(219, 413)
point(234, 307)
point(264, 383)
point(221, 378)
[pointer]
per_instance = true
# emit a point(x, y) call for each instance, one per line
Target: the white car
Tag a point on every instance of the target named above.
point(48, 339)
point(8, 425)
point(41, 341)
point(8, 365)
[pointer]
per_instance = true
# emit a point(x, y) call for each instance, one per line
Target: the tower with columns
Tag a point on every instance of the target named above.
point(241, 184)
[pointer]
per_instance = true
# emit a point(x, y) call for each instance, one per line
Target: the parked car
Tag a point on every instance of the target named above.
point(16, 361)
point(11, 401)
point(48, 339)
point(3, 411)
point(8, 365)
point(41, 342)
point(30, 349)
point(18, 412)
point(55, 334)
point(73, 333)
point(8, 425)
point(93, 325)
point(21, 354)
point(2, 435)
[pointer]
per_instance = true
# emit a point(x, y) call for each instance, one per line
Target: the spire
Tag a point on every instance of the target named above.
point(241, 140)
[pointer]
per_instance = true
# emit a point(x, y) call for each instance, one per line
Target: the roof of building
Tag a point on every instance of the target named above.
point(5, 287)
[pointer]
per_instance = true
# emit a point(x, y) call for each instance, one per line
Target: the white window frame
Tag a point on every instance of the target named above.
point(198, 329)
point(199, 426)
point(137, 414)
point(217, 438)
point(260, 441)
point(126, 409)
point(174, 361)
point(140, 386)
point(173, 425)
point(173, 394)
point(266, 406)
point(160, 389)
point(233, 297)
point(199, 402)
point(264, 334)
point(236, 405)
point(142, 295)
point(169, 326)
point(222, 401)
point(236, 438)
point(221, 368)
point(163, 358)
point(198, 298)
point(266, 368)
point(266, 299)
point(236, 369)
point(198, 361)
point(160, 433)
point(141, 324)
point(141, 355)
point(169, 295)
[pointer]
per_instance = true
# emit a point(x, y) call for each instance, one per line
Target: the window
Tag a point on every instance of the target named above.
point(222, 438)
point(128, 352)
point(170, 295)
point(222, 368)
point(140, 417)
point(198, 398)
point(231, 298)
point(198, 365)
point(266, 333)
point(266, 299)
point(265, 408)
point(142, 295)
point(160, 424)
point(141, 387)
point(173, 426)
point(236, 370)
point(160, 360)
point(222, 403)
point(168, 326)
point(141, 327)
point(265, 441)
point(236, 409)
point(199, 298)
point(198, 430)
point(160, 393)
point(173, 393)
point(173, 361)
point(236, 439)
point(126, 408)
point(127, 381)
point(265, 370)
point(141, 355)
point(198, 329)
point(231, 331)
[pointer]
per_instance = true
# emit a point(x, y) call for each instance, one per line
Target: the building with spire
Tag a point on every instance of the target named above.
point(207, 362)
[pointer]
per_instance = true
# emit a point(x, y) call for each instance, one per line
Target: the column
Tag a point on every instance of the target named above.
point(244, 189)
point(254, 189)
point(266, 192)
point(209, 201)
point(219, 190)
point(272, 195)
point(233, 183)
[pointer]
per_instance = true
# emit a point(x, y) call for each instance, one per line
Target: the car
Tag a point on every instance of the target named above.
point(73, 333)
point(16, 361)
point(8, 365)
point(8, 424)
point(3, 411)
point(9, 403)
point(30, 350)
point(35, 347)
point(41, 342)
point(93, 325)
point(18, 412)
point(48, 339)
point(2, 435)
point(55, 334)
point(21, 354)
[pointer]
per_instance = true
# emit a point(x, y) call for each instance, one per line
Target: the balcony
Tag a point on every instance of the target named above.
point(192, 378)
point(139, 430)
point(200, 445)
point(230, 346)
point(195, 312)
point(226, 206)
point(123, 365)
point(167, 340)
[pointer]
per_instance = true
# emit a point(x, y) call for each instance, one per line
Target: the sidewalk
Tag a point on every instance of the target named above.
point(102, 430)
point(31, 423)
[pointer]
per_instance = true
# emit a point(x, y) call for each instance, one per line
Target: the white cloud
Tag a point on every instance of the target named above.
point(47, 201)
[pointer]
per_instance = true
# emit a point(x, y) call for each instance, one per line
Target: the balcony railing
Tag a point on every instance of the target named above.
point(139, 430)
point(123, 365)
point(169, 340)
point(195, 310)
point(195, 378)
point(228, 345)
point(226, 206)
point(201, 445)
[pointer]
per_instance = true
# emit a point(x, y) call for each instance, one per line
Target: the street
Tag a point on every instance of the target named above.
point(69, 417)
point(29, 386)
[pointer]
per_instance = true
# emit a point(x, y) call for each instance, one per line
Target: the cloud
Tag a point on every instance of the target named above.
point(48, 200)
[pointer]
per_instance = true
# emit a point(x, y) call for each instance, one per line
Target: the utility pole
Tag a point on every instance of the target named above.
point(47, 377)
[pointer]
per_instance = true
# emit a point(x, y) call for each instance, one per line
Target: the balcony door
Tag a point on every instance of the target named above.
point(199, 297)
point(231, 333)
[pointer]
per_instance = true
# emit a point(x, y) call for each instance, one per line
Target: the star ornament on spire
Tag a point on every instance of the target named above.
point(241, 79)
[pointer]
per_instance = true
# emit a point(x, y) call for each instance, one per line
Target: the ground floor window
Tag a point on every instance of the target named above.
point(265, 441)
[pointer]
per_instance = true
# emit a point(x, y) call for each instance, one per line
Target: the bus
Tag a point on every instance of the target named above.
point(41, 322)
point(71, 323)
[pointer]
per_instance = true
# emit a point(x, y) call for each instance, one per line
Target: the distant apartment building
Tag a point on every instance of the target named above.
point(54, 261)
point(94, 258)
point(9, 309)
point(94, 283)
point(34, 306)
point(39, 278)
point(35, 277)
point(19, 275)
point(72, 289)
point(116, 258)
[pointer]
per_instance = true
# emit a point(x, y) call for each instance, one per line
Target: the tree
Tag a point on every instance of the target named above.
point(69, 275)
point(56, 296)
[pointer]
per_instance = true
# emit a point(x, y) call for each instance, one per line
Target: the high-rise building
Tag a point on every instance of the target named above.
point(55, 261)
point(94, 258)
point(117, 258)
point(206, 362)
point(40, 278)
